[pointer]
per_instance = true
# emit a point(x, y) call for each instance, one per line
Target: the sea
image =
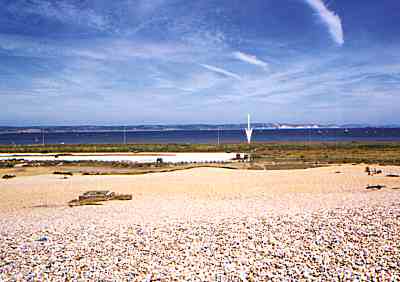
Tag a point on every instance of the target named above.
point(204, 136)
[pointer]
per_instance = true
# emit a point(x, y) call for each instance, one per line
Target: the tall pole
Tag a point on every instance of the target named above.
point(124, 134)
point(218, 138)
point(43, 136)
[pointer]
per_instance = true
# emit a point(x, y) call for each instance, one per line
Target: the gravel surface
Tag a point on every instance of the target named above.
point(297, 237)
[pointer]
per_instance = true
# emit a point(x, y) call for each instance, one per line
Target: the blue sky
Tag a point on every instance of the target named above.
point(178, 61)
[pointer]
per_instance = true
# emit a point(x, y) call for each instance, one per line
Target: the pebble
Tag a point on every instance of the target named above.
point(108, 244)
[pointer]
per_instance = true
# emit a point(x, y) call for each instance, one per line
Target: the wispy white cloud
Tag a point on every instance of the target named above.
point(311, 84)
point(221, 71)
point(251, 59)
point(330, 19)
point(103, 49)
point(193, 82)
point(169, 58)
point(63, 12)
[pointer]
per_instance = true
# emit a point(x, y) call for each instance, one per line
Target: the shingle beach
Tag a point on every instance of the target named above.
point(204, 225)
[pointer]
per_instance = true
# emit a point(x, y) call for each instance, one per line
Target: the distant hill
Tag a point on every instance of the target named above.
point(92, 128)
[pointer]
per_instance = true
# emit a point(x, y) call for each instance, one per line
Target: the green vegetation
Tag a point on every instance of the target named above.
point(114, 148)
point(8, 164)
point(264, 155)
point(329, 153)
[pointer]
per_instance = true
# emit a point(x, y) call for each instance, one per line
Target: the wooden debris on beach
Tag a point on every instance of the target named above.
point(392, 175)
point(101, 195)
point(372, 171)
point(63, 173)
point(376, 187)
point(91, 173)
point(8, 176)
point(97, 196)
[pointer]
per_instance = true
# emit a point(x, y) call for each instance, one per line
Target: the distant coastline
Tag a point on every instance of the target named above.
point(183, 127)
point(196, 136)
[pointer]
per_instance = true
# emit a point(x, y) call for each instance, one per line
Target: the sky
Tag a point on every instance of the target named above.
point(102, 62)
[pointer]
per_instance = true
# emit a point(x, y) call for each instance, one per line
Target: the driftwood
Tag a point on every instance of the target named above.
point(376, 187)
point(8, 176)
point(63, 173)
point(96, 197)
point(101, 195)
point(392, 175)
point(91, 173)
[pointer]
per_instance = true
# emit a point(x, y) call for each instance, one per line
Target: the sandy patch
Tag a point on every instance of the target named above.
point(53, 190)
